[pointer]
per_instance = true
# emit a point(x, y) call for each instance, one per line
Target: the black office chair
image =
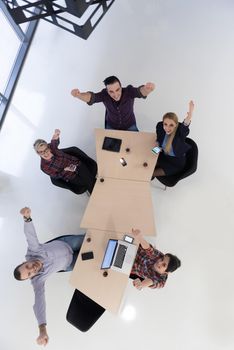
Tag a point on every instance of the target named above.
point(83, 312)
point(89, 162)
point(189, 169)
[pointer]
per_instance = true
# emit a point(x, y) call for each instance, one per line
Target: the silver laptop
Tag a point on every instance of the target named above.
point(119, 256)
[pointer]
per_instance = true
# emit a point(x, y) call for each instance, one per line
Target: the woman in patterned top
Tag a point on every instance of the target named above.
point(151, 267)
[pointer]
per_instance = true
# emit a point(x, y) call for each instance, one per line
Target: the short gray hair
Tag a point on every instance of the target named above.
point(38, 143)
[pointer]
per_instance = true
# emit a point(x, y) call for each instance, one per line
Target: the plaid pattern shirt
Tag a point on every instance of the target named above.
point(144, 265)
point(55, 166)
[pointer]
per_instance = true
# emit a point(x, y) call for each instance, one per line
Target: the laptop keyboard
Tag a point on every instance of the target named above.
point(119, 259)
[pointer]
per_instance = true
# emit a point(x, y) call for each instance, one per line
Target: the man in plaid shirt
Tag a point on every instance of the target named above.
point(151, 267)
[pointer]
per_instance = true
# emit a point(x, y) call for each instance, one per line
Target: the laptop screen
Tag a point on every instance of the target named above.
point(109, 254)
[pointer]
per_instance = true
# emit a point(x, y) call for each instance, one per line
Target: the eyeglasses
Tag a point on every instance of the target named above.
point(47, 149)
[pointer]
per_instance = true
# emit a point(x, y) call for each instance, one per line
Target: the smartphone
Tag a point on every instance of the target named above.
point(123, 161)
point(87, 255)
point(128, 239)
point(72, 167)
point(156, 150)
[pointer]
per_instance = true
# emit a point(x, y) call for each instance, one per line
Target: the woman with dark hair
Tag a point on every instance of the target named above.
point(151, 267)
point(171, 137)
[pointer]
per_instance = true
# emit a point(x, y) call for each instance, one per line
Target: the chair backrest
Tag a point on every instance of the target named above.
point(83, 312)
point(63, 184)
point(189, 169)
point(191, 159)
point(75, 152)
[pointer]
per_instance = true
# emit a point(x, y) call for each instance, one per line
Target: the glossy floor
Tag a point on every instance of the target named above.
point(186, 48)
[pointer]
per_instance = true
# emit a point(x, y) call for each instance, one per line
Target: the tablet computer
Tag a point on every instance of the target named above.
point(111, 144)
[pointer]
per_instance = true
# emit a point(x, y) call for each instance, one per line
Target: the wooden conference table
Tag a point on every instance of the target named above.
point(117, 204)
point(121, 198)
point(135, 149)
point(87, 275)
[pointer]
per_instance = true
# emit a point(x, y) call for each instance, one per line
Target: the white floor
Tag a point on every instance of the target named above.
point(186, 48)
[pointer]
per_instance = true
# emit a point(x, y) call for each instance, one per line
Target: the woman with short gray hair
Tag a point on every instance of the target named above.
point(38, 143)
point(75, 172)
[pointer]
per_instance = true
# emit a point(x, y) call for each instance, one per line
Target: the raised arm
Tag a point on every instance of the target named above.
point(55, 141)
point(83, 96)
point(56, 135)
point(189, 115)
point(147, 89)
point(39, 308)
point(139, 238)
point(29, 229)
point(138, 284)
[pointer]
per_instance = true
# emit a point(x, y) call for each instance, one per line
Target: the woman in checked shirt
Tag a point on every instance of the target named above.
point(151, 267)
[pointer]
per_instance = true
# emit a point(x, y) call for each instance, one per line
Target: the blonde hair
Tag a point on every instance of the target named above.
point(171, 116)
point(38, 143)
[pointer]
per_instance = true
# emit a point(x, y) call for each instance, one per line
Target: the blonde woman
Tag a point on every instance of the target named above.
point(171, 137)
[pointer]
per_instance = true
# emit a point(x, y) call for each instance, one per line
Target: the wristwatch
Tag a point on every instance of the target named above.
point(27, 219)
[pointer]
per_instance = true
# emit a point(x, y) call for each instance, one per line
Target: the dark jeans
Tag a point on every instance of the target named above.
point(84, 178)
point(132, 127)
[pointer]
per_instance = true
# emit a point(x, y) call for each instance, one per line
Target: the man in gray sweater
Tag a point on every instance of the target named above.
point(42, 260)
